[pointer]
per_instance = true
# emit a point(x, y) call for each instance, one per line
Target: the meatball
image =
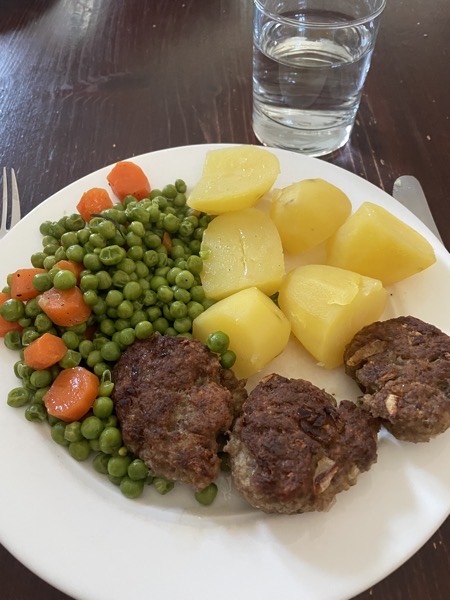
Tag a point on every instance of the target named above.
point(292, 449)
point(403, 367)
point(173, 400)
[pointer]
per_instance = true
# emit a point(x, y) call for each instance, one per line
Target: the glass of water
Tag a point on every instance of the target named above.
point(310, 61)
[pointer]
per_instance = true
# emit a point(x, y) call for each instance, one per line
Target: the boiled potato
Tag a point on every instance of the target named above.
point(234, 178)
point(326, 306)
point(257, 328)
point(308, 212)
point(375, 243)
point(241, 249)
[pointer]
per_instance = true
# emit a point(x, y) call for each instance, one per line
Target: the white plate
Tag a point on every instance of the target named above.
point(75, 529)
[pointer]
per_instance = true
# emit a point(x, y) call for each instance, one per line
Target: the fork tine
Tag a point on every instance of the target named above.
point(15, 200)
point(5, 204)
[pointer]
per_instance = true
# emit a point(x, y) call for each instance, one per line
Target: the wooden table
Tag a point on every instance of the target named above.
point(86, 83)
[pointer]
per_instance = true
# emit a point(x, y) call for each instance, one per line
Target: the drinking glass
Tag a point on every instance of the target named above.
point(310, 62)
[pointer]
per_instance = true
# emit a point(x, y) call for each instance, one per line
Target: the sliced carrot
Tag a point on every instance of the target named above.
point(22, 284)
point(167, 241)
point(72, 394)
point(65, 307)
point(93, 202)
point(70, 265)
point(7, 326)
point(128, 179)
point(45, 351)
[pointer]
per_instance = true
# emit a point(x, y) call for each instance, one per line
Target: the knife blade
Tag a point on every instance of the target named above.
point(408, 191)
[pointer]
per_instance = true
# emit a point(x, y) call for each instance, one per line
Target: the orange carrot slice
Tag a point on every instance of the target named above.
point(128, 179)
point(65, 307)
point(72, 394)
point(45, 351)
point(22, 284)
point(93, 202)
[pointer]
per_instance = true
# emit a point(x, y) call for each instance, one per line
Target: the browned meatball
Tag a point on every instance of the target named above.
point(293, 449)
point(403, 366)
point(173, 399)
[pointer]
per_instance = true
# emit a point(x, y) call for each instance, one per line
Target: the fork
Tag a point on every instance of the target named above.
point(15, 203)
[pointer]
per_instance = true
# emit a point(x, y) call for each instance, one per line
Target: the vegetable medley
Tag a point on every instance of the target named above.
point(107, 275)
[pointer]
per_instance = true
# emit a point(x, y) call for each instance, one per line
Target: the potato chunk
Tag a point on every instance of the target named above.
point(234, 178)
point(241, 249)
point(375, 243)
point(326, 306)
point(308, 212)
point(257, 329)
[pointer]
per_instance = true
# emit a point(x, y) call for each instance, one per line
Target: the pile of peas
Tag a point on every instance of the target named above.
point(141, 274)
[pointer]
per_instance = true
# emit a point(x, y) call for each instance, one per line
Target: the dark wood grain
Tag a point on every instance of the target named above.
point(86, 83)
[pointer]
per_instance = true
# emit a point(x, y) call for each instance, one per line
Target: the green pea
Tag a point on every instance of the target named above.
point(32, 308)
point(79, 450)
point(85, 347)
point(114, 298)
point(163, 486)
point(180, 186)
point(29, 334)
point(103, 407)
point(127, 336)
point(125, 309)
point(68, 239)
point(227, 359)
point(107, 229)
point(100, 463)
point(150, 258)
point(160, 325)
point(88, 282)
point(181, 294)
point(64, 280)
point(40, 393)
point(131, 489)
point(110, 440)
point(195, 264)
point(92, 261)
point(72, 432)
point(37, 259)
point(207, 495)
point(74, 222)
point(135, 250)
point(18, 397)
point(118, 465)
point(42, 323)
point(92, 427)
point(41, 378)
point(12, 310)
point(137, 469)
point(195, 309)
point(71, 359)
point(111, 255)
point(197, 293)
point(36, 412)
point(110, 351)
point(100, 368)
point(90, 297)
point(143, 330)
point(218, 342)
point(104, 280)
point(169, 191)
point(57, 432)
point(132, 290)
point(76, 252)
point(182, 325)
point(13, 340)
point(71, 339)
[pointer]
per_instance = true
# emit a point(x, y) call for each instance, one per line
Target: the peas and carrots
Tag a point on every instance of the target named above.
point(106, 276)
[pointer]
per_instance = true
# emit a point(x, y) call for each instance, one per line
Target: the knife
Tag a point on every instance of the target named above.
point(408, 191)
